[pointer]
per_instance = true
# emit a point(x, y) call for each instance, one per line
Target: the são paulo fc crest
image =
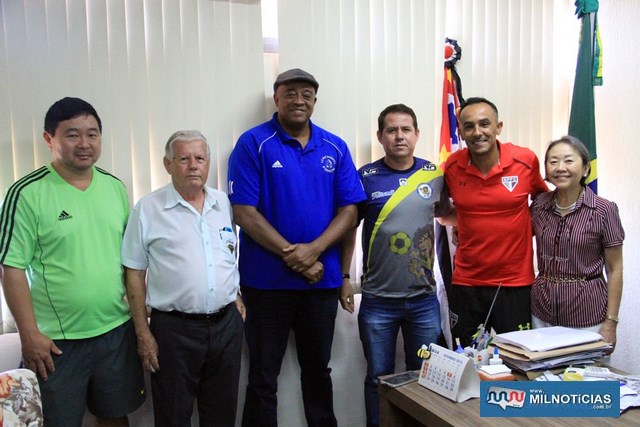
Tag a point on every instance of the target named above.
point(510, 182)
point(328, 164)
point(424, 190)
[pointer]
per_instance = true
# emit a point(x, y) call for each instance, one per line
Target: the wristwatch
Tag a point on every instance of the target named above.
point(346, 276)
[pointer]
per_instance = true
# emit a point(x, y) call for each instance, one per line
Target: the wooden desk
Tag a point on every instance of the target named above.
point(414, 405)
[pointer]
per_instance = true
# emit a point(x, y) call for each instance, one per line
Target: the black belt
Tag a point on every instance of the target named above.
point(209, 317)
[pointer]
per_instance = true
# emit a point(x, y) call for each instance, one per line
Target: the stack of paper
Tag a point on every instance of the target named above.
point(495, 373)
point(547, 348)
point(629, 395)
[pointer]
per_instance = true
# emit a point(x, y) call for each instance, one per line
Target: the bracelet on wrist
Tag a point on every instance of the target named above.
point(346, 276)
point(613, 318)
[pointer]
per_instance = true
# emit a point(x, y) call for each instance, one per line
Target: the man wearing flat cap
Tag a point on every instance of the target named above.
point(294, 190)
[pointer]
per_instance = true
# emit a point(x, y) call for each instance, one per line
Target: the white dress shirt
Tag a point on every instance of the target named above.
point(190, 258)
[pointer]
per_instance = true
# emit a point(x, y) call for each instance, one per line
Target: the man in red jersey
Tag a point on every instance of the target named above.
point(490, 183)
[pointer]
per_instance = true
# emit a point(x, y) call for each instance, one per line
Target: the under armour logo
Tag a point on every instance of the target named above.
point(524, 327)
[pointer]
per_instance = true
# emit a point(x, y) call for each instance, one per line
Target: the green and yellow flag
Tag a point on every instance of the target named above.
point(582, 121)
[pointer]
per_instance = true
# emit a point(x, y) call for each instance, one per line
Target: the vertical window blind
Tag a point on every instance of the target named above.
point(151, 67)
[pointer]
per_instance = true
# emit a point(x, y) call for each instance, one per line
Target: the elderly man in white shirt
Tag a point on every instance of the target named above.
point(182, 238)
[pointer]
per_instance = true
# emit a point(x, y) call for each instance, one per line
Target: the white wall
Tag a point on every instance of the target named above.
point(617, 113)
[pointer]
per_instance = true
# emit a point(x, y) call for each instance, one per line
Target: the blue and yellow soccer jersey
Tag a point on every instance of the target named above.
point(398, 230)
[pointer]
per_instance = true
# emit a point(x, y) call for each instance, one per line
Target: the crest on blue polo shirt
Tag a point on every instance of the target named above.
point(510, 182)
point(328, 164)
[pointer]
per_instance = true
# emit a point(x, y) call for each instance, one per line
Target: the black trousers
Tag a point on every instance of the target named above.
point(311, 315)
point(199, 359)
point(469, 306)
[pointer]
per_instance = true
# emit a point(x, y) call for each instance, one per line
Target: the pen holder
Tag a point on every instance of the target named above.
point(479, 358)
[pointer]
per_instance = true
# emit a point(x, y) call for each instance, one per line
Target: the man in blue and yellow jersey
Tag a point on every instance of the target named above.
point(404, 195)
point(61, 230)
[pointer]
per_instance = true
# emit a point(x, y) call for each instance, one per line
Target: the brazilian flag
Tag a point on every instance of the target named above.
point(582, 121)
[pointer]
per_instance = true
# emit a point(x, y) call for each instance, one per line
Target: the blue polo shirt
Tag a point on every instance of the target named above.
point(298, 191)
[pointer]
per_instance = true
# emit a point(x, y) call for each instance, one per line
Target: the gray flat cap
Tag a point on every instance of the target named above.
point(295, 74)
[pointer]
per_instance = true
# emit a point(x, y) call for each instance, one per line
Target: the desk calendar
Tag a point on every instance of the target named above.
point(450, 374)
